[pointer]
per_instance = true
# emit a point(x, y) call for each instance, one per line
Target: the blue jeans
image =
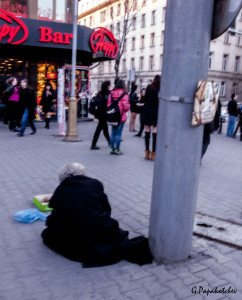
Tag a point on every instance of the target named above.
point(25, 120)
point(115, 138)
point(231, 125)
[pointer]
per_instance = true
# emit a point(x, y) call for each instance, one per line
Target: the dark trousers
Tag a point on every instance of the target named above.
point(13, 114)
point(141, 126)
point(102, 125)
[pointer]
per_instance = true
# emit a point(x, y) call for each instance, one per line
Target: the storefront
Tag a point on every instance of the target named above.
point(36, 49)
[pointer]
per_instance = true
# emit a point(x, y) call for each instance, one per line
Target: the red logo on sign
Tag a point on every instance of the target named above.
point(103, 40)
point(9, 30)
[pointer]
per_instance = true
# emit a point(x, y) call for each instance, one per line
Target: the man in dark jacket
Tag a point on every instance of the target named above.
point(28, 104)
point(80, 226)
point(101, 116)
point(232, 110)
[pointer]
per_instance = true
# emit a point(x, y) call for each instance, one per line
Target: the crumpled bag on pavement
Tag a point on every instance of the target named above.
point(29, 215)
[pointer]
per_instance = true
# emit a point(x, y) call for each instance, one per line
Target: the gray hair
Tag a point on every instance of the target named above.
point(71, 169)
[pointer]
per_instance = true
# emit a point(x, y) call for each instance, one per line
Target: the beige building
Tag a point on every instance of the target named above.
point(145, 39)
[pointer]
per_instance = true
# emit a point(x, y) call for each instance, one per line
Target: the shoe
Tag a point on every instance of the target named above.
point(152, 156)
point(33, 132)
point(112, 151)
point(20, 134)
point(137, 134)
point(94, 148)
point(147, 154)
point(118, 152)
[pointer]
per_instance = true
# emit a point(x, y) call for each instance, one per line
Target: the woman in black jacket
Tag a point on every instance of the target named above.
point(102, 116)
point(150, 116)
point(11, 98)
point(133, 100)
point(46, 102)
point(28, 104)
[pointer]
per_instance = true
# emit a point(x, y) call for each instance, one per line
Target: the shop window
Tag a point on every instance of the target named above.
point(45, 10)
point(11, 67)
point(60, 11)
point(18, 8)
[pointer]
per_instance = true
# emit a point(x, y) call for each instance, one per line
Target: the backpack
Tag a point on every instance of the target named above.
point(113, 112)
point(95, 105)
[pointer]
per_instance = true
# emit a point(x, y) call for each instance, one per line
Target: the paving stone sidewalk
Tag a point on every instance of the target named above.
point(30, 271)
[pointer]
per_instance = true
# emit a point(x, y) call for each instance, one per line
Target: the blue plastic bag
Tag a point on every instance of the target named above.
point(29, 215)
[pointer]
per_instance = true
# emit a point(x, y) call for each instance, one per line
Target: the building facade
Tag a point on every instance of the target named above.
point(142, 57)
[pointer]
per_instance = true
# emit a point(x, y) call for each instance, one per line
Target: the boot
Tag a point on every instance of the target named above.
point(147, 154)
point(152, 156)
point(47, 123)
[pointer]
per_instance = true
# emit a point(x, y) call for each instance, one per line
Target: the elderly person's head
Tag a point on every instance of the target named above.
point(71, 169)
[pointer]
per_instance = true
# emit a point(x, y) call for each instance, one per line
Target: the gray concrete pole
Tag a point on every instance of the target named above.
point(178, 151)
point(71, 135)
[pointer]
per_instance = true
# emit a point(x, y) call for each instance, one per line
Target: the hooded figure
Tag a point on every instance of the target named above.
point(80, 226)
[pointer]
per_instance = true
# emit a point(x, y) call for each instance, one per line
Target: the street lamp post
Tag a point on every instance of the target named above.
point(72, 135)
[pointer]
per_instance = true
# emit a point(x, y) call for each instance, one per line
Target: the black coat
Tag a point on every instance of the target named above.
point(80, 226)
point(46, 102)
point(150, 110)
point(102, 114)
point(28, 100)
point(133, 100)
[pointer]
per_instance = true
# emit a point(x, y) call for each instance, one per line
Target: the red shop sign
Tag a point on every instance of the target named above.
point(102, 39)
point(10, 30)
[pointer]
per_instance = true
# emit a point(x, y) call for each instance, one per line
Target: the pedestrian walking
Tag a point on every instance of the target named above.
point(140, 105)
point(120, 96)
point(101, 115)
point(133, 100)
point(11, 97)
point(233, 112)
point(239, 123)
point(150, 116)
point(47, 103)
point(28, 103)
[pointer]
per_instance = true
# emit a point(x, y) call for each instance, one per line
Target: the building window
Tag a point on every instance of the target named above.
point(226, 38)
point(151, 62)
point(119, 10)
point(142, 42)
point(132, 63)
point(125, 45)
point(153, 17)
point(45, 10)
point(133, 43)
point(85, 22)
point(101, 68)
point(90, 22)
point(237, 63)
point(162, 38)
point(124, 65)
point(152, 39)
point(225, 62)
point(141, 63)
point(143, 21)
point(110, 66)
point(163, 17)
point(133, 23)
point(210, 60)
point(161, 61)
point(239, 40)
point(118, 28)
point(60, 14)
point(18, 8)
point(111, 27)
point(223, 89)
point(111, 12)
point(103, 16)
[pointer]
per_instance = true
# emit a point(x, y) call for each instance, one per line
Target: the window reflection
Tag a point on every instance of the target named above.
point(45, 9)
point(60, 10)
point(18, 8)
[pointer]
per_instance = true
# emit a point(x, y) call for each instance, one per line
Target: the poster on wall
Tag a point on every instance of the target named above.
point(61, 103)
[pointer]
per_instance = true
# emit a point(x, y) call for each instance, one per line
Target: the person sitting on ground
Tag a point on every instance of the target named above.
point(80, 226)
